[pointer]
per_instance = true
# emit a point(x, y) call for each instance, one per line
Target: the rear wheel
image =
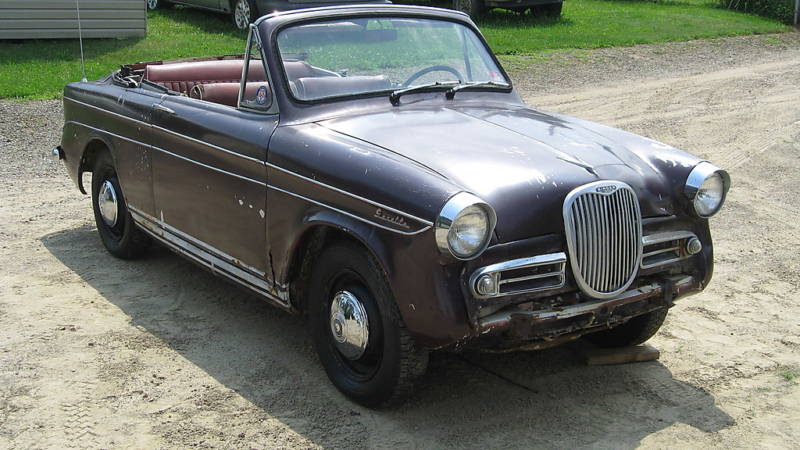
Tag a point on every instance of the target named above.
point(474, 8)
point(633, 332)
point(358, 333)
point(548, 10)
point(244, 13)
point(119, 234)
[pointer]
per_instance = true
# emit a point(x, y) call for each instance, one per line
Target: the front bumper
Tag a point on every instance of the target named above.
point(528, 326)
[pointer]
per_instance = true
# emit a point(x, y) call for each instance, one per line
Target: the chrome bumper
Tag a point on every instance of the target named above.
point(526, 324)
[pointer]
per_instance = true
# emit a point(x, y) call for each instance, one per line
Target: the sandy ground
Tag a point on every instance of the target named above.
point(96, 352)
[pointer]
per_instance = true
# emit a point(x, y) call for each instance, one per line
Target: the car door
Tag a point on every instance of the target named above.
point(209, 180)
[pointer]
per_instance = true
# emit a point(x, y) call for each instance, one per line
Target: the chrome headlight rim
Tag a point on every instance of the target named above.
point(697, 177)
point(451, 210)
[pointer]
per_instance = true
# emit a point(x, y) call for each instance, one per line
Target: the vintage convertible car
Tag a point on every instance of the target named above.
point(373, 168)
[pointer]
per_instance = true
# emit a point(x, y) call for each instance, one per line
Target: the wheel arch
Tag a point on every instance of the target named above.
point(322, 230)
point(94, 147)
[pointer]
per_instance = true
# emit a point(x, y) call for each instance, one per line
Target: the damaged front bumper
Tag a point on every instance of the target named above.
point(528, 326)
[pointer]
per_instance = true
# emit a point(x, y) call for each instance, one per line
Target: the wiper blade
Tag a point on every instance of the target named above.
point(394, 97)
point(479, 84)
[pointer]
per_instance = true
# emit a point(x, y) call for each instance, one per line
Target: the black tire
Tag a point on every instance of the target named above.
point(549, 10)
point(242, 22)
point(123, 239)
point(155, 4)
point(633, 332)
point(391, 363)
point(475, 8)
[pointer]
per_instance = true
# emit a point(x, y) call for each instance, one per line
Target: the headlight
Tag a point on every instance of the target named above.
point(707, 186)
point(464, 227)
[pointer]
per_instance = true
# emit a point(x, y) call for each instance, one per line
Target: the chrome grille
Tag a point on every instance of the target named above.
point(604, 237)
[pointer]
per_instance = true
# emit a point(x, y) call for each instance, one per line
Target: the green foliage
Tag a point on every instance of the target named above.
point(782, 10)
point(789, 373)
point(41, 68)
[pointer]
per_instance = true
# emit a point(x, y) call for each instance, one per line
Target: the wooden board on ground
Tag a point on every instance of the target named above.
point(605, 356)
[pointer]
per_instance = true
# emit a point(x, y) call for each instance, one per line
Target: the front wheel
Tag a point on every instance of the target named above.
point(358, 333)
point(244, 13)
point(633, 332)
point(121, 237)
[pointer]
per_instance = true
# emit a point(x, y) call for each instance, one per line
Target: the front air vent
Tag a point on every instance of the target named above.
point(520, 276)
point(666, 248)
point(603, 227)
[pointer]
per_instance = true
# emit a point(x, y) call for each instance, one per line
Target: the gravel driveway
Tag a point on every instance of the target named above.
point(96, 352)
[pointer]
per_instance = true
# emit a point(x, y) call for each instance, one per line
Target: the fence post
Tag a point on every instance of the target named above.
point(796, 10)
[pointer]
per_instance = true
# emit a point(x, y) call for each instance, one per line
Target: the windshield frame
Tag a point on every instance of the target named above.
point(376, 15)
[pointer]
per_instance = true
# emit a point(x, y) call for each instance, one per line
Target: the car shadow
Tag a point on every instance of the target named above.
point(532, 399)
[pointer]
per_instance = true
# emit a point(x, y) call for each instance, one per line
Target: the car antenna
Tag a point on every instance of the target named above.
point(80, 40)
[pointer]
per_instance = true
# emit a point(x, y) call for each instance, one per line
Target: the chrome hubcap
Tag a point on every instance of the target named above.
point(242, 14)
point(349, 325)
point(152, 4)
point(107, 201)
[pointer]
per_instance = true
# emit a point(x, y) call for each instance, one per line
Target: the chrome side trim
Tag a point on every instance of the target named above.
point(357, 197)
point(428, 223)
point(660, 238)
point(348, 214)
point(215, 147)
point(169, 153)
point(497, 270)
point(171, 237)
point(195, 242)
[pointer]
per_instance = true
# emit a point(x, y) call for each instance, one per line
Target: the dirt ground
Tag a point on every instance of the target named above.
point(96, 352)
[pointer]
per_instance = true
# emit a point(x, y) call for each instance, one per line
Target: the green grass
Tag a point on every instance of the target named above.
point(790, 373)
point(40, 68)
point(587, 24)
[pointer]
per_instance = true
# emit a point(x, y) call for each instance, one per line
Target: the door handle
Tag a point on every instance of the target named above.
point(162, 108)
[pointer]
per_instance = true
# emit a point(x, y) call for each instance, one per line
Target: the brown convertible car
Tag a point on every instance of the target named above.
point(373, 168)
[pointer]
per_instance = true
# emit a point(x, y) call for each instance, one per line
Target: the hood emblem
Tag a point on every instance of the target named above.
point(606, 189)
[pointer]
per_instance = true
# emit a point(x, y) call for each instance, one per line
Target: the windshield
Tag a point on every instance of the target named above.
point(346, 57)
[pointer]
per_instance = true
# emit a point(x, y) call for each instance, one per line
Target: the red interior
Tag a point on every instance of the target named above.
point(218, 81)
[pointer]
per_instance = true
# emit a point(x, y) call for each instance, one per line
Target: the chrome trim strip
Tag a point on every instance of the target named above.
point(216, 265)
point(194, 241)
point(216, 147)
point(169, 153)
point(261, 183)
point(407, 233)
point(357, 197)
point(660, 238)
point(497, 269)
point(428, 223)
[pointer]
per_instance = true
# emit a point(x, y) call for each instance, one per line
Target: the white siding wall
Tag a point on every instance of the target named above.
point(28, 19)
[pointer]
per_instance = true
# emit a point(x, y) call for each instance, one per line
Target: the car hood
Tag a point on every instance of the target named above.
point(524, 161)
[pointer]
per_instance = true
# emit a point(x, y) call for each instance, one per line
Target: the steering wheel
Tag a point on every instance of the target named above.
point(436, 68)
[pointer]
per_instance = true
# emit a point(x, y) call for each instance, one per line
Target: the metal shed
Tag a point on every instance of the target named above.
point(31, 19)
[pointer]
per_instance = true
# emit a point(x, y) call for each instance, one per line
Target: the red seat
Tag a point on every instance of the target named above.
point(224, 93)
point(182, 77)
